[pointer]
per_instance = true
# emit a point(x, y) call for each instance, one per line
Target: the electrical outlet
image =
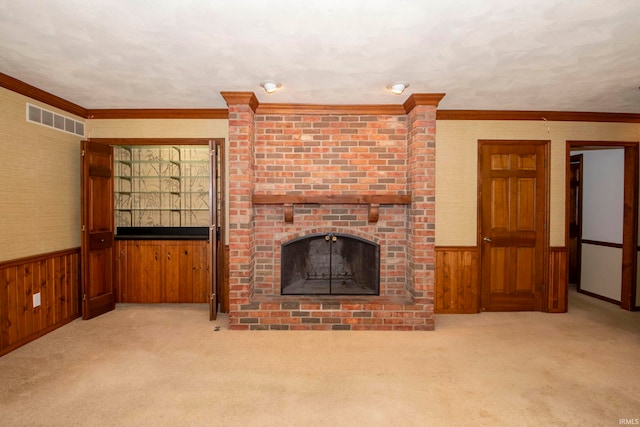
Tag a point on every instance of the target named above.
point(36, 300)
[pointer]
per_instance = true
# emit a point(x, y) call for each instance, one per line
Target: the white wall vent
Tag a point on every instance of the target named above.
point(50, 119)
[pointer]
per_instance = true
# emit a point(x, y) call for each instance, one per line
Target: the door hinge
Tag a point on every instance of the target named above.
point(82, 153)
point(84, 297)
point(82, 229)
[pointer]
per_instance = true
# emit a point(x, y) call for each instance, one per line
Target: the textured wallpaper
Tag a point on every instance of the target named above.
point(40, 176)
point(457, 168)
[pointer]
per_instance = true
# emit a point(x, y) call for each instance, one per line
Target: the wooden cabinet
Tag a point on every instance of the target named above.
point(163, 271)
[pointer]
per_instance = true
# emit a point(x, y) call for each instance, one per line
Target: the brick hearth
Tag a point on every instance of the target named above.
point(350, 158)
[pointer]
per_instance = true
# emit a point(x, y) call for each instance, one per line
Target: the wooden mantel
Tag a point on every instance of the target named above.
point(373, 200)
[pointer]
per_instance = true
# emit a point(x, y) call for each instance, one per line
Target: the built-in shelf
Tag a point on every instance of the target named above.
point(372, 200)
point(162, 233)
point(162, 186)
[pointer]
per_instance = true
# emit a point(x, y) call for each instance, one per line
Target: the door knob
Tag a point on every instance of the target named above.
point(486, 239)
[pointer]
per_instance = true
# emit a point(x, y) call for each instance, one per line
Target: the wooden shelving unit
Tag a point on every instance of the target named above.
point(161, 186)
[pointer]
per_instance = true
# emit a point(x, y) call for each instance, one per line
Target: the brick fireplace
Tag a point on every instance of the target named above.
point(304, 170)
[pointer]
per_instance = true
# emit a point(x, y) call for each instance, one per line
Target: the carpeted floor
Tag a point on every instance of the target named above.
point(166, 365)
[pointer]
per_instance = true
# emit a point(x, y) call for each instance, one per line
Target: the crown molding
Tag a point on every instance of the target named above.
point(158, 113)
point(153, 141)
point(552, 116)
point(363, 109)
point(247, 98)
point(33, 92)
point(430, 99)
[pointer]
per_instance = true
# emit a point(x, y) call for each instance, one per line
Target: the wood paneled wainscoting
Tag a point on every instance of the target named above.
point(557, 301)
point(56, 278)
point(162, 271)
point(458, 287)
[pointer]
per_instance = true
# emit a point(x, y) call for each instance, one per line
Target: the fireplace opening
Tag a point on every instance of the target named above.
point(330, 264)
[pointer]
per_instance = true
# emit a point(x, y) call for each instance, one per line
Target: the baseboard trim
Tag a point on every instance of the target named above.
point(600, 297)
point(37, 335)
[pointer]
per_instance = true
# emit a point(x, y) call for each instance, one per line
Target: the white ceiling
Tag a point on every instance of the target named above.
point(558, 55)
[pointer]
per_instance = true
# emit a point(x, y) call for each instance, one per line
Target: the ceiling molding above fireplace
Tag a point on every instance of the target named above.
point(330, 109)
point(431, 99)
point(246, 98)
point(249, 98)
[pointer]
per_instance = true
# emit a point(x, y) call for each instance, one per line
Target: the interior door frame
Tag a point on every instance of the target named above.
point(630, 213)
point(222, 286)
point(213, 229)
point(578, 254)
point(545, 243)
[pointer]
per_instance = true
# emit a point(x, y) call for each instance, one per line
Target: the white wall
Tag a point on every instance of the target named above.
point(602, 219)
point(601, 271)
point(603, 195)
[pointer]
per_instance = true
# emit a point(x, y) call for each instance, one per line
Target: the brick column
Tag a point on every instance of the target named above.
point(421, 219)
point(241, 107)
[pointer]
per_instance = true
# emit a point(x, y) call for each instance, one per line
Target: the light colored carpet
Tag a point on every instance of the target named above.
point(165, 365)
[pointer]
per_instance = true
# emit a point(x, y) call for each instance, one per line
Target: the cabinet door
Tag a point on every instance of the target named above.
point(196, 261)
point(186, 271)
point(98, 294)
point(153, 271)
point(140, 275)
point(122, 279)
point(172, 280)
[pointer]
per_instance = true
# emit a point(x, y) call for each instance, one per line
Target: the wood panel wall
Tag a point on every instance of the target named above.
point(56, 276)
point(223, 277)
point(558, 280)
point(457, 286)
point(162, 271)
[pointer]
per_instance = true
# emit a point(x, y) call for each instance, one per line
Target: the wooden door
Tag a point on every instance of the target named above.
point(98, 294)
point(213, 229)
point(575, 218)
point(512, 232)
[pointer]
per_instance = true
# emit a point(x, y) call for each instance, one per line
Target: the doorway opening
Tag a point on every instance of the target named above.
point(601, 220)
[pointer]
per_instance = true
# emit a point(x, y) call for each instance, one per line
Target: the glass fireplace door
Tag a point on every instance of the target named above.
point(330, 264)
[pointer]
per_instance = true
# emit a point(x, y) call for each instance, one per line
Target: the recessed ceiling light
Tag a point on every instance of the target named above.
point(397, 88)
point(270, 86)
